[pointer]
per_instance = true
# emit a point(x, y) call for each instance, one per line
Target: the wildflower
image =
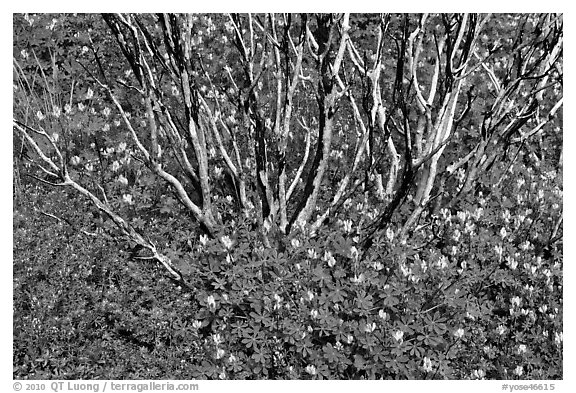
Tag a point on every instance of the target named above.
point(310, 369)
point(232, 358)
point(347, 226)
point(479, 374)
point(338, 346)
point(515, 301)
point(427, 365)
point(227, 242)
point(349, 339)
point(499, 250)
point(67, 108)
point(354, 252)
point(456, 235)
point(219, 354)
point(389, 234)
point(398, 335)
point(369, 328)
point(329, 258)
point(217, 339)
point(24, 53)
point(106, 111)
point(121, 147)
point(519, 370)
point(89, 167)
point(382, 314)
point(196, 324)
point(122, 180)
point(312, 254)
point(56, 112)
point(310, 295)
point(358, 279)
point(442, 262)
point(211, 302)
point(81, 107)
point(512, 264)
point(377, 266)
point(203, 239)
point(459, 333)
point(500, 329)
point(106, 127)
point(75, 160)
point(127, 198)
point(115, 166)
point(503, 232)
point(314, 314)
point(40, 115)
point(521, 349)
point(558, 338)
point(89, 94)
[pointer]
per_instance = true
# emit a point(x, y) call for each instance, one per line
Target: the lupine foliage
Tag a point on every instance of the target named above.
point(288, 196)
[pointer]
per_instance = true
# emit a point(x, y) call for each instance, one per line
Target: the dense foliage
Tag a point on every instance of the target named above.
point(288, 196)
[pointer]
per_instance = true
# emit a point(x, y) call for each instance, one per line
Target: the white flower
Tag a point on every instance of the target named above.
point(75, 160)
point(347, 226)
point(515, 301)
point(310, 295)
point(312, 254)
point(519, 370)
point(115, 166)
point(389, 234)
point(512, 264)
point(227, 242)
point(68, 108)
point(398, 335)
point(211, 302)
point(479, 374)
point(354, 252)
point(121, 147)
point(349, 339)
point(382, 314)
point(370, 327)
point(499, 250)
point(459, 333)
point(427, 365)
point(521, 349)
point(295, 243)
point(329, 258)
point(500, 329)
point(127, 198)
point(203, 239)
point(442, 262)
point(196, 324)
point(89, 94)
point(232, 358)
point(106, 127)
point(558, 337)
point(122, 180)
point(456, 235)
point(81, 107)
point(217, 339)
point(310, 369)
point(314, 314)
point(24, 53)
point(56, 112)
point(106, 111)
point(220, 355)
point(40, 115)
point(503, 232)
